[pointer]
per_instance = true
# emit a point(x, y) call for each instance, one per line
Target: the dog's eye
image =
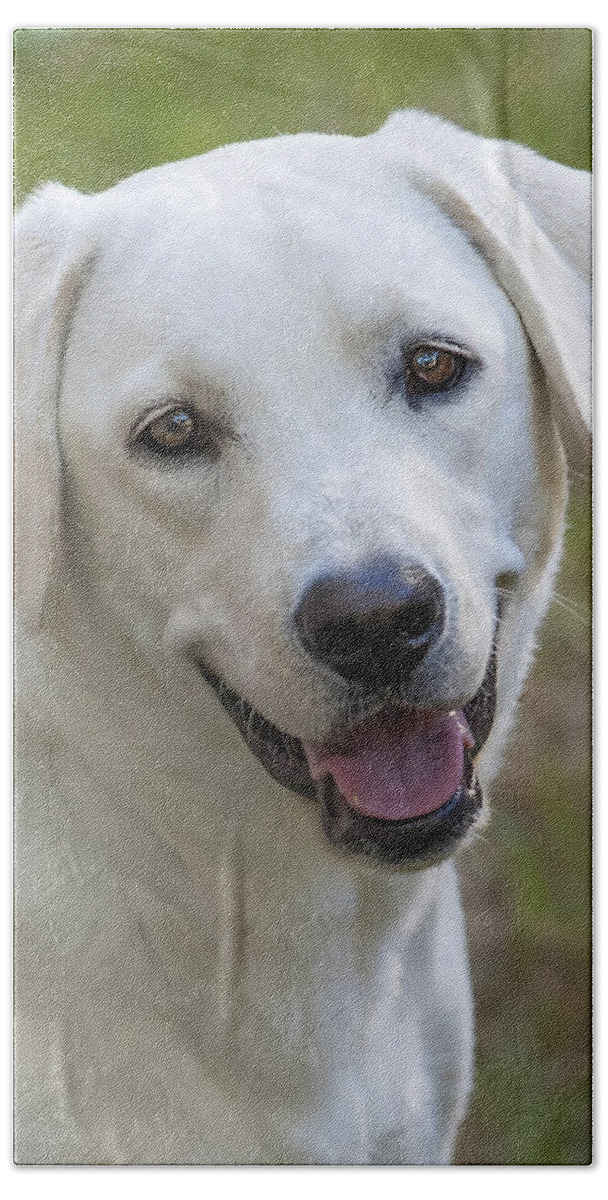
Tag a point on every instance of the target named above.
point(177, 432)
point(173, 431)
point(431, 369)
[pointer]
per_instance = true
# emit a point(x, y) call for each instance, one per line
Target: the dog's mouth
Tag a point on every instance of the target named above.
point(398, 787)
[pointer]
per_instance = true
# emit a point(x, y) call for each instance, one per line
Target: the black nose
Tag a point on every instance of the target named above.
point(373, 626)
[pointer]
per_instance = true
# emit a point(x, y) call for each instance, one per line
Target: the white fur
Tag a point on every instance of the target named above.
point(201, 978)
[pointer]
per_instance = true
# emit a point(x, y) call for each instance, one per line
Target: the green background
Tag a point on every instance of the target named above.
point(94, 105)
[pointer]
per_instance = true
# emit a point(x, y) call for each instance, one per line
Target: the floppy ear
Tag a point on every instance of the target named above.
point(531, 219)
point(50, 265)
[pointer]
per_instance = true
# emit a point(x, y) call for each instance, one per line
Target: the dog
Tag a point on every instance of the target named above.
point(290, 494)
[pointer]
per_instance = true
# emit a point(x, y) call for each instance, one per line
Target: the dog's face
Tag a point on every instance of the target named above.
point(301, 439)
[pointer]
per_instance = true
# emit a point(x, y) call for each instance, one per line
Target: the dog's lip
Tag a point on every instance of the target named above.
point(413, 839)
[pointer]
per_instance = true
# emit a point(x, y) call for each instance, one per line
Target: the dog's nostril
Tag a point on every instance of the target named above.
point(373, 626)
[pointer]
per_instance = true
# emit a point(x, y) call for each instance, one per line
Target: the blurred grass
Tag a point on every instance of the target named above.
point(94, 105)
point(527, 893)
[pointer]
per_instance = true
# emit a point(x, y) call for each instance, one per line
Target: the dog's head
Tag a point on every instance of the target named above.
point(295, 402)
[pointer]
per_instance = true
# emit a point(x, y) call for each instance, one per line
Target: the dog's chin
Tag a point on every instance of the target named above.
point(419, 840)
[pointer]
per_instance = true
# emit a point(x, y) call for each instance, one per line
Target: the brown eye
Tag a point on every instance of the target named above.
point(433, 369)
point(173, 431)
point(178, 433)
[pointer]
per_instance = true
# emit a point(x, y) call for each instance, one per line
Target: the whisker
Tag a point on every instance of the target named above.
point(578, 611)
point(570, 606)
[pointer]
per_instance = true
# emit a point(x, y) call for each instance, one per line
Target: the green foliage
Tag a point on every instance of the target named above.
point(94, 105)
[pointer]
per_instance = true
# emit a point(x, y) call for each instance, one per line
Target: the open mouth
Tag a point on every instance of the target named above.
point(399, 788)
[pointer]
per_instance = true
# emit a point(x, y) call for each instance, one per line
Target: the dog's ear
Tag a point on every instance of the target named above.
point(531, 219)
point(51, 256)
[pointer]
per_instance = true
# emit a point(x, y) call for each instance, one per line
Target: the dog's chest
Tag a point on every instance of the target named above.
point(255, 1001)
point(338, 1024)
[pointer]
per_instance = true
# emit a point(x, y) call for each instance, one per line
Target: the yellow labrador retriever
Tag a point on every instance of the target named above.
point(290, 498)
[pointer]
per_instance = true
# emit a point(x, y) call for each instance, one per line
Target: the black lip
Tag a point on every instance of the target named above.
point(393, 843)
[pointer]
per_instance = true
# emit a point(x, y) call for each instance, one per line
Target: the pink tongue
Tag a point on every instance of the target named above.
point(397, 765)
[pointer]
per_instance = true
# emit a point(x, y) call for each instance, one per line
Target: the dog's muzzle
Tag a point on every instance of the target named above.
point(396, 842)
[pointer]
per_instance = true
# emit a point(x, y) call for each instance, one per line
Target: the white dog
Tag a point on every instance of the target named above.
point(290, 498)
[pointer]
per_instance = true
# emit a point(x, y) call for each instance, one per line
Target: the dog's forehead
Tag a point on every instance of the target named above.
point(248, 277)
point(248, 236)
